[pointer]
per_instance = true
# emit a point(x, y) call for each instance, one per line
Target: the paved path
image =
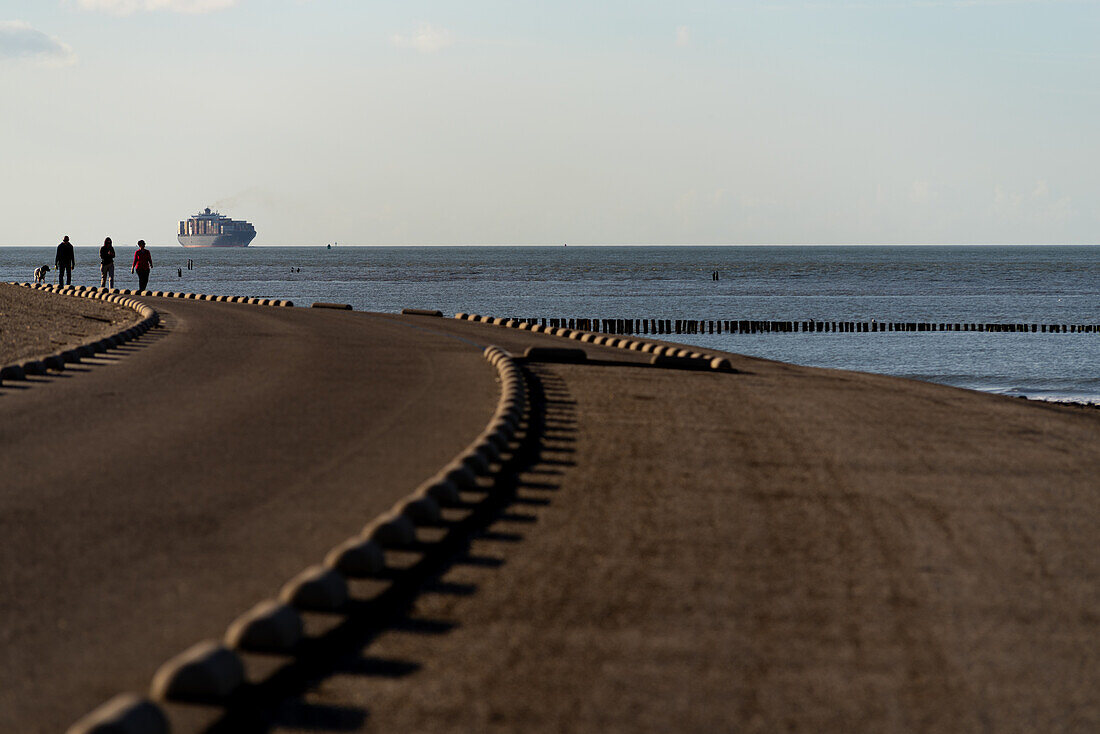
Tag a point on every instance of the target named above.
point(785, 549)
point(777, 549)
point(149, 498)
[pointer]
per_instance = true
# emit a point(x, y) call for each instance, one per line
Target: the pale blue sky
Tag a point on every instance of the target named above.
point(748, 121)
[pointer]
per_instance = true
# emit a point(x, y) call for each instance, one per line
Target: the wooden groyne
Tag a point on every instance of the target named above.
point(749, 326)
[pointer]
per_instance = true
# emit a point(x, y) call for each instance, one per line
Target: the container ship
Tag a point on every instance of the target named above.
point(210, 229)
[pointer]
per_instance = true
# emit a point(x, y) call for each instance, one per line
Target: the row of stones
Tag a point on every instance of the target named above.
point(58, 360)
point(80, 289)
point(211, 671)
point(660, 352)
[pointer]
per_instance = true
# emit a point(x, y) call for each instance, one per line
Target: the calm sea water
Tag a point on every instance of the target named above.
point(1011, 284)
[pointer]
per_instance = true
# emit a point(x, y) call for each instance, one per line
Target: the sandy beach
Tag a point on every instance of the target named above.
point(774, 547)
point(33, 323)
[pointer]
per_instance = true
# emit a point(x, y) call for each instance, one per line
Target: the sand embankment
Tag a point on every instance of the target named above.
point(35, 323)
point(774, 548)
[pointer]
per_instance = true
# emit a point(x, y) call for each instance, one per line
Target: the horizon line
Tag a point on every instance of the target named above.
point(650, 244)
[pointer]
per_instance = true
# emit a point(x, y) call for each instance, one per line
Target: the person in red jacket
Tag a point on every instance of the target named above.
point(143, 263)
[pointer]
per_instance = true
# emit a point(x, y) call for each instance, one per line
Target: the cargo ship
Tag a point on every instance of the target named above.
point(210, 229)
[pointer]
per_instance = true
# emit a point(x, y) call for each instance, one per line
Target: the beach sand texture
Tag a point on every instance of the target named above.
point(774, 548)
point(36, 323)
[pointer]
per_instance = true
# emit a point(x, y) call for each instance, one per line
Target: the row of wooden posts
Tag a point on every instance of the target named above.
point(717, 326)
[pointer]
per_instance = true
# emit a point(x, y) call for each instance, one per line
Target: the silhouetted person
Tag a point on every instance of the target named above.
point(107, 264)
point(179, 272)
point(143, 263)
point(64, 261)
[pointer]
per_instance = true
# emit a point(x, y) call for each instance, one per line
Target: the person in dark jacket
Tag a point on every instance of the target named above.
point(107, 264)
point(64, 261)
point(143, 263)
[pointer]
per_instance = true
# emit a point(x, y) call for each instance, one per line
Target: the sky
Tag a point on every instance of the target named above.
point(539, 122)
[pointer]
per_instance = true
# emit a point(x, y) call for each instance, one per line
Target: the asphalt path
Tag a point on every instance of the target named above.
point(775, 549)
point(149, 497)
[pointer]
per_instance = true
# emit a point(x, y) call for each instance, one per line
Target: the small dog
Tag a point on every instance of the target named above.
point(40, 274)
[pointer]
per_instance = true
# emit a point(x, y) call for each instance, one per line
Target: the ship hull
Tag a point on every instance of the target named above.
point(217, 240)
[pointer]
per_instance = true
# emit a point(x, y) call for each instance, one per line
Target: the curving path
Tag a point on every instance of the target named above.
point(771, 548)
point(775, 549)
point(149, 497)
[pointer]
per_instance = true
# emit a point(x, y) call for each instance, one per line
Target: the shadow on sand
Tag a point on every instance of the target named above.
point(87, 364)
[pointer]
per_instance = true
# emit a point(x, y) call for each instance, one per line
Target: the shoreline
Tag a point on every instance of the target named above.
point(651, 245)
point(31, 315)
point(674, 283)
point(1093, 405)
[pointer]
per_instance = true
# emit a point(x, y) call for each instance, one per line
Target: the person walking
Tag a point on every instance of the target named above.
point(143, 263)
point(64, 261)
point(107, 264)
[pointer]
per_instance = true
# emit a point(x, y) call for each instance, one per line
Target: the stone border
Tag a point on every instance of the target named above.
point(213, 670)
point(663, 354)
point(82, 289)
point(211, 297)
point(58, 360)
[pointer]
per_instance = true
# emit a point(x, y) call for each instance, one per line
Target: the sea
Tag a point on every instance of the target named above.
point(1018, 284)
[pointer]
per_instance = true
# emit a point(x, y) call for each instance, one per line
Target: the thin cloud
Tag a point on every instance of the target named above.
point(18, 40)
point(128, 7)
point(426, 39)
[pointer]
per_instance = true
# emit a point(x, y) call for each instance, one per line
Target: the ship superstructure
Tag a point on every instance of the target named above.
point(210, 229)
